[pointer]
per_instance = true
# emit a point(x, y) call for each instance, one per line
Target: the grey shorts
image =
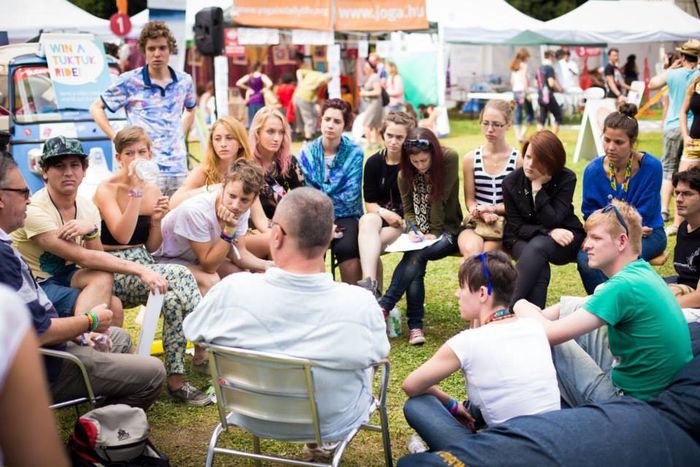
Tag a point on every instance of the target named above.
point(673, 149)
point(305, 114)
point(169, 184)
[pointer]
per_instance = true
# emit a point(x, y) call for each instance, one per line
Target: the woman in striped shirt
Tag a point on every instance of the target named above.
point(484, 169)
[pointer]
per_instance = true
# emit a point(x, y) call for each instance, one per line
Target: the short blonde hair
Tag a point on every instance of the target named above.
point(211, 159)
point(130, 135)
point(613, 225)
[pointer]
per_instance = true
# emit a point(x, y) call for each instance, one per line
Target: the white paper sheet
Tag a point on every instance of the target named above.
point(150, 322)
point(404, 243)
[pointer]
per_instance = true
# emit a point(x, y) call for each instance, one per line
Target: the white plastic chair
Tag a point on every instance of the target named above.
point(635, 94)
point(594, 93)
point(262, 392)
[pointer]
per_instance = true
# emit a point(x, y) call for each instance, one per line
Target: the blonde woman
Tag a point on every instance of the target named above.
point(270, 138)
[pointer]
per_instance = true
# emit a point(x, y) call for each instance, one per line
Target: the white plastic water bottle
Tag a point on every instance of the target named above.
point(394, 322)
point(416, 445)
point(146, 170)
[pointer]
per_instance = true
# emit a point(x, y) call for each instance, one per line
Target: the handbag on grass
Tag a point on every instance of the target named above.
point(484, 230)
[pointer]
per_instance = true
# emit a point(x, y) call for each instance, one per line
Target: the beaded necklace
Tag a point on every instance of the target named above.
point(503, 313)
point(628, 175)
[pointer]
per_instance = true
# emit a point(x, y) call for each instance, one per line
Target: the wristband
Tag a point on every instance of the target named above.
point(135, 193)
point(92, 235)
point(95, 321)
point(228, 238)
point(90, 321)
point(452, 406)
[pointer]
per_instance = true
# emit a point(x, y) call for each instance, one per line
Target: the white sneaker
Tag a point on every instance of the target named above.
point(322, 453)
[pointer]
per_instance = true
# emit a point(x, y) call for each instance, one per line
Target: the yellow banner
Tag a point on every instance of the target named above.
point(300, 14)
point(380, 15)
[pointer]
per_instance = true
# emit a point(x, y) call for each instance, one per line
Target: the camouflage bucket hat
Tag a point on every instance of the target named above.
point(59, 146)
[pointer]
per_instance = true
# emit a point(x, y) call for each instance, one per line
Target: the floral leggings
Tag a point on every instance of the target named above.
point(183, 295)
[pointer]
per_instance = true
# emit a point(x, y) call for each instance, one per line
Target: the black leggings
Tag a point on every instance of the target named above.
point(533, 258)
point(346, 248)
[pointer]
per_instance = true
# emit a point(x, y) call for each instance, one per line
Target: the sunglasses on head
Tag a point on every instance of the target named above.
point(489, 286)
point(620, 219)
point(420, 144)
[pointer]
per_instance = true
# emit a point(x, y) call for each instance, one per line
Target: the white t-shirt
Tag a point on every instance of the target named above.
point(194, 220)
point(14, 324)
point(509, 370)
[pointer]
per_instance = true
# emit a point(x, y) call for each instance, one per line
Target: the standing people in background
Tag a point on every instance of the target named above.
point(333, 164)
point(678, 77)
point(383, 221)
point(429, 116)
point(520, 84)
point(228, 142)
point(500, 385)
point(157, 98)
point(271, 140)
point(132, 209)
point(371, 94)
point(541, 226)
point(546, 86)
point(254, 84)
point(309, 83)
point(630, 72)
point(207, 233)
point(378, 65)
point(566, 70)
point(206, 102)
point(429, 185)
point(285, 92)
point(690, 133)
point(614, 81)
point(669, 59)
point(484, 170)
point(628, 175)
point(394, 87)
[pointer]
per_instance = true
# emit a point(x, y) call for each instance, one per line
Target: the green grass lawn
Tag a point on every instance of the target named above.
point(183, 432)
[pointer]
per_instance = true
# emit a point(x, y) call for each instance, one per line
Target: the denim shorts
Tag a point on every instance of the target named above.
point(57, 288)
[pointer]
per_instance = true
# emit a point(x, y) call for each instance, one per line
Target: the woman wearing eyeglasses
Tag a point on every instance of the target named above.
point(333, 164)
point(541, 226)
point(484, 170)
point(429, 185)
point(625, 174)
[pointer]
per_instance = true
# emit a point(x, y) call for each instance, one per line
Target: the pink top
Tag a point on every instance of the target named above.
point(394, 87)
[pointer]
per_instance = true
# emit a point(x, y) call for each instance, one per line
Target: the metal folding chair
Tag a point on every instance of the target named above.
point(266, 393)
point(90, 394)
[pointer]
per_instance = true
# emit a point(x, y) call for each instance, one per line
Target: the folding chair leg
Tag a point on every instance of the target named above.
point(212, 445)
point(386, 440)
point(256, 449)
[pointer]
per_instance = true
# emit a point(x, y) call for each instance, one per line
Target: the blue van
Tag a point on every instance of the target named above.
point(28, 111)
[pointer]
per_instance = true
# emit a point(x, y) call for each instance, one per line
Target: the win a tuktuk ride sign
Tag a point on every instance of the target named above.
point(78, 69)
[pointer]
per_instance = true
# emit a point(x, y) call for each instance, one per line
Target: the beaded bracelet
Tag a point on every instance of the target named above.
point(135, 193)
point(92, 235)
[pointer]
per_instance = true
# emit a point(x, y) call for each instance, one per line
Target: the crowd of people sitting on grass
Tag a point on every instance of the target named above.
point(239, 252)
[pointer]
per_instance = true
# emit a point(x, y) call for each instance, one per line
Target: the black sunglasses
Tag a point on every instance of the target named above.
point(22, 191)
point(420, 144)
point(620, 219)
point(489, 286)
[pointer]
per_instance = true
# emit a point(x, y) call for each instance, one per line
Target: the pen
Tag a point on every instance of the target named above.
point(413, 227)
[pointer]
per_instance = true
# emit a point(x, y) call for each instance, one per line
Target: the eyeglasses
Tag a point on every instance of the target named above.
point(489, 286)
point(620, 219)
point(494, 125)
point(22, 191)
point(420, 144)
point(278, 225)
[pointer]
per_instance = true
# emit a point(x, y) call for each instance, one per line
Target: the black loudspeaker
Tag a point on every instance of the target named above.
point(209, 31)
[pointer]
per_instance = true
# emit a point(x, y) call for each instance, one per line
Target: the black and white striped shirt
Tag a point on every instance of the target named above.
point(487, 187)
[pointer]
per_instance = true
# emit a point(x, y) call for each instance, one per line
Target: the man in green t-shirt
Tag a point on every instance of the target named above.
point(646, 340)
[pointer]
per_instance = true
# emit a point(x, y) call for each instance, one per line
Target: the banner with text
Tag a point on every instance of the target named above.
point(78, 70)
point(306, 14)
point(380, 15)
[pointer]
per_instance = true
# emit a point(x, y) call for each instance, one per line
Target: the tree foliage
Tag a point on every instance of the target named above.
point(106, 8)
point(545, 9)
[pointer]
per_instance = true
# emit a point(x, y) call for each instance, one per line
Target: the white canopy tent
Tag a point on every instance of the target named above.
point(23, 22)
point(623, 22)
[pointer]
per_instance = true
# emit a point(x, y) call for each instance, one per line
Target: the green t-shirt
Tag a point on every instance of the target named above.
point(646, 329)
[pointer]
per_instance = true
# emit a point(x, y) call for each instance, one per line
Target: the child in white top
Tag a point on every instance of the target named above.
point(507, 361)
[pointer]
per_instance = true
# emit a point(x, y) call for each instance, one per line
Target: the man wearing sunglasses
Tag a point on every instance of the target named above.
point(646, 340)
point(114, 373)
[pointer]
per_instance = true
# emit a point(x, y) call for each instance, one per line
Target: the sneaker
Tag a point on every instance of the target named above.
point(322, 453)
point(416, 337)
point(202, 368)
point(371, 285)
point(190, 395)
point(671, 230)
